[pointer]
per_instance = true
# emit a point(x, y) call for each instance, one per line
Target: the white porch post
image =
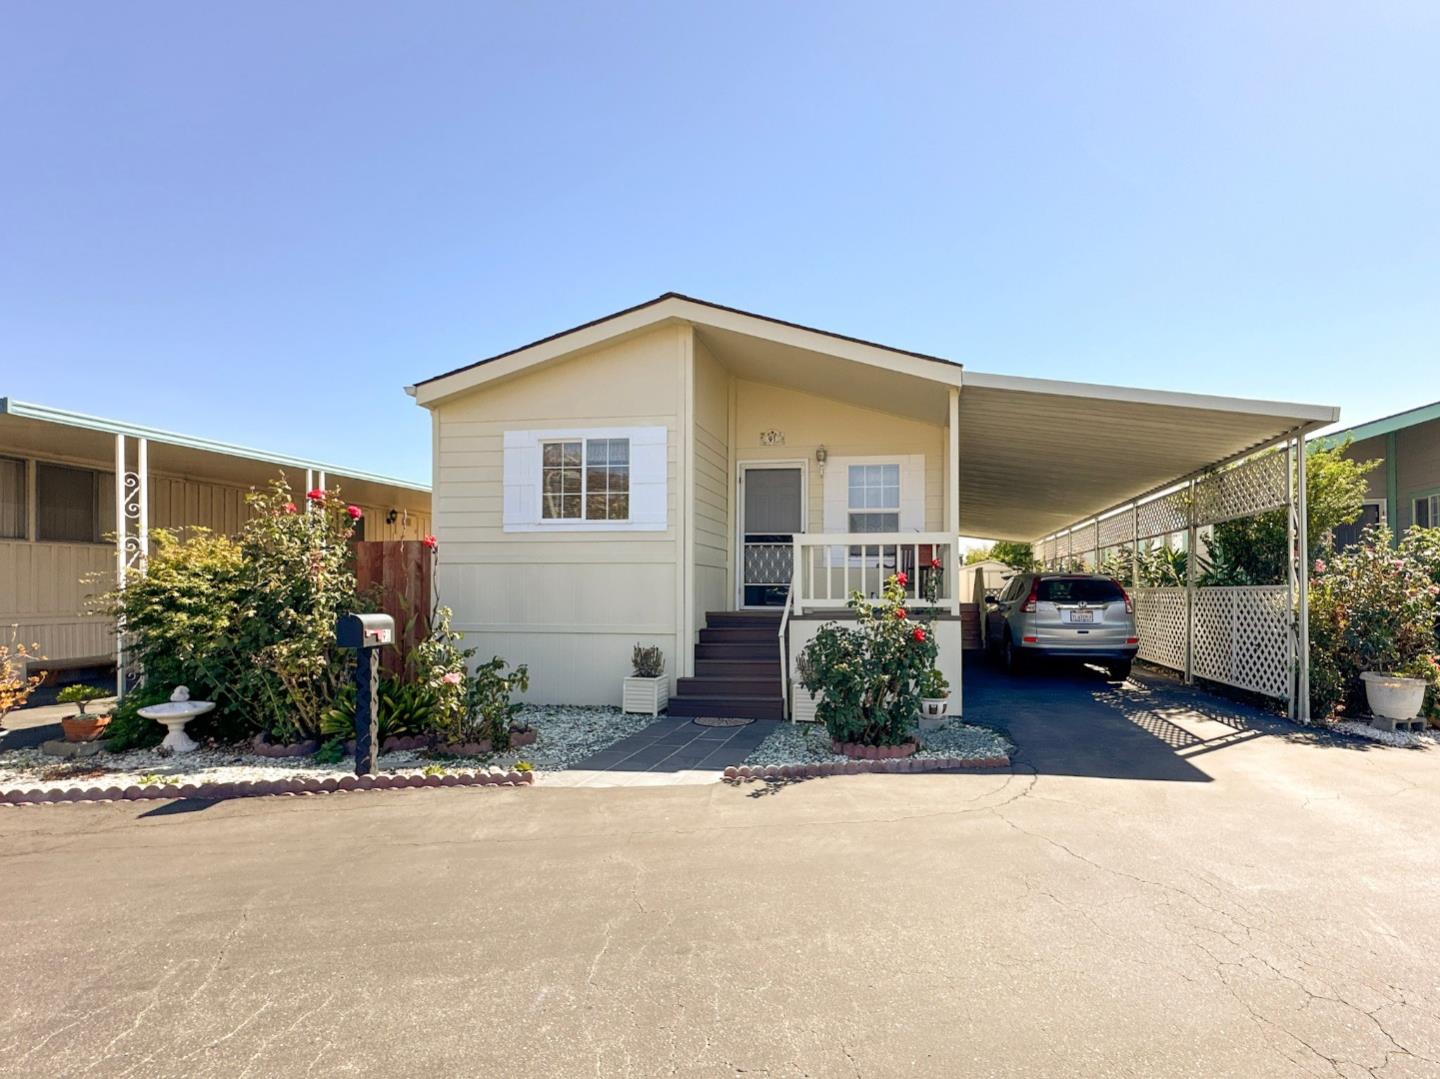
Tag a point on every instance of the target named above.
point(1304, 528)
point(952, 491)
point(142, 519)
point(120, 538)
point(1292, 561)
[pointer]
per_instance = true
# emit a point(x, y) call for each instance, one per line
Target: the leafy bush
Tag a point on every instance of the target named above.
point(402, 709)
point(15, 685)
point(647, 662)
point(488, 708)
point(249, 622)
point(128, 729)
point(866, 676)
point(1374, 608)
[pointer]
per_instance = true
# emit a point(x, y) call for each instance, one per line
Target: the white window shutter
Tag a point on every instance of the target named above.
point(835, 511)
point(649, 465)
point(912, 493)
point(521, 479)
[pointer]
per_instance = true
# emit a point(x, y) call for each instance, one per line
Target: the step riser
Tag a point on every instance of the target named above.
point(761, 653)
point(752, 669)
point(704, 706)
point(728, 687)
point(746, 618)
point(740, 635)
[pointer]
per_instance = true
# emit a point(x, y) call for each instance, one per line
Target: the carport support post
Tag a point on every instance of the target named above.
point(1191, 541)
point(1135, 546)
point(1303, 525)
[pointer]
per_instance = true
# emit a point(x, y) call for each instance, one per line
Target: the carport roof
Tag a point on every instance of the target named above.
point(1038, 455)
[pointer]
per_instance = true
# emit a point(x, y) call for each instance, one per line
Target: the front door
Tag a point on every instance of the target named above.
point(772, 511)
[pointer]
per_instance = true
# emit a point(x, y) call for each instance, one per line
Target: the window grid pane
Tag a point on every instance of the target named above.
point(561, 481)
point(12, 498)
point(66, 504)
point(607, 479)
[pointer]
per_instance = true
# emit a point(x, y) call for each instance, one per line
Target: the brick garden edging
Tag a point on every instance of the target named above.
point(860, 751)
point(850, 768)
point(255, 788)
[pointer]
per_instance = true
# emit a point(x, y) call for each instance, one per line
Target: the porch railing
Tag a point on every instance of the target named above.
point(829, 566)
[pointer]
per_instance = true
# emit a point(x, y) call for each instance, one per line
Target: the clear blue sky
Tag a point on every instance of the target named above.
point(259, 221)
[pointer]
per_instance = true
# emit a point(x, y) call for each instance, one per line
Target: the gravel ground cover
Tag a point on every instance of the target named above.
point(1428, 738)
point(567, 733)
point(808, 743)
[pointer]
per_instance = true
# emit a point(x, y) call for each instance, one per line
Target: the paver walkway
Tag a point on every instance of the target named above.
point(670, 751)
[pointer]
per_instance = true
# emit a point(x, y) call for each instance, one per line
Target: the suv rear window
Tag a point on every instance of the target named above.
point(1079, 590)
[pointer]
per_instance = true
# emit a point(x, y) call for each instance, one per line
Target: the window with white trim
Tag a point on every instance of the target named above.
point(585, 479)
point(874, 498)
point(1427, 511)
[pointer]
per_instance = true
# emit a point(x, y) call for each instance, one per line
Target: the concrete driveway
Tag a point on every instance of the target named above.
point(1264, 904)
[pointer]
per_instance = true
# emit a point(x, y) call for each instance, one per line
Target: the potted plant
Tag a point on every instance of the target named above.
point(934, 693)
point(83, 727)
point(647, 690)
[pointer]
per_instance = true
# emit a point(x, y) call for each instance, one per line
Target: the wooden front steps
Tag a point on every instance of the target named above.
point(737, 669)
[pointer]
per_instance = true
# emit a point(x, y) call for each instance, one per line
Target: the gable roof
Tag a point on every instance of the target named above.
point(672, 307)
point(1385, 425)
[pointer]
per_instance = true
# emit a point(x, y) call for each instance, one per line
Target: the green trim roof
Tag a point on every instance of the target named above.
point(45, 413)
point(1384, 426)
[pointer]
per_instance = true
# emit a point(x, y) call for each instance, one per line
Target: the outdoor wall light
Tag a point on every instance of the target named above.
point(391, 517)
point(820, 457)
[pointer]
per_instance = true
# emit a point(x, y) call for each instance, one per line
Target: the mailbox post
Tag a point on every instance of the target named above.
point(367, 634)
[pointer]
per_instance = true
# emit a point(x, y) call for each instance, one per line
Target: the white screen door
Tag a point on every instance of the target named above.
point(772, 512)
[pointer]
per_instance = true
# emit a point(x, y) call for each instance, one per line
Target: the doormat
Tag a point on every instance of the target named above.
point(713, 721)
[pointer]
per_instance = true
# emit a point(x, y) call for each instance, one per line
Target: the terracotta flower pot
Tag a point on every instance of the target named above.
point(84, 728)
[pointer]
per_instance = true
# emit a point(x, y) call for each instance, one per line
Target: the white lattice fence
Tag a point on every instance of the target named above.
point(1160, 616)
point(1161, 516)
point(1241, 638)
point(1250, 487)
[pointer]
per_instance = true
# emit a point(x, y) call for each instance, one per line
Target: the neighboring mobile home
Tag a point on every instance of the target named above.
point(59, 505)
point(1405, 489)
point(716, 482)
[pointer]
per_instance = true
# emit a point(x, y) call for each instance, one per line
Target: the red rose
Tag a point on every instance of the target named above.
point(901, 579)
point(289, 507)
point(919, 634)
point(900, 613)
point(935, 563)
point(429, 541)
point(316, 495)
point(354, 512)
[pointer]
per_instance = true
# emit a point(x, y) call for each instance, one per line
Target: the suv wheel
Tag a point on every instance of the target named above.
point(1120, 671)
point(1014, 661)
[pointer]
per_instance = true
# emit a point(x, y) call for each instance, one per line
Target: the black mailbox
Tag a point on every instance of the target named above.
point(367, 634)
point(365, 630)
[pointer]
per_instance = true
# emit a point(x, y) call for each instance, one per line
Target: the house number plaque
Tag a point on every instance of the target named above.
point(772, 438)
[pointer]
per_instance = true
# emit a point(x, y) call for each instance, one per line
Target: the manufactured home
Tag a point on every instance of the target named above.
point(716, 482)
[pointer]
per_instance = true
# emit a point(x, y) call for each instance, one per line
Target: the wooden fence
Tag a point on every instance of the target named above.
point(398, 574)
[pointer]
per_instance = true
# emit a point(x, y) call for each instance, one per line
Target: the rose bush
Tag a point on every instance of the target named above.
point(866, 676)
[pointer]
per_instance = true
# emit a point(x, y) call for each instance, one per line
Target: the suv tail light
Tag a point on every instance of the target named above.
point(1028, 607)
point(1129, 603)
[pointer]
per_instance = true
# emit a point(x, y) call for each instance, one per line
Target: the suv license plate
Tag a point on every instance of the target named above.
point(1082, 616)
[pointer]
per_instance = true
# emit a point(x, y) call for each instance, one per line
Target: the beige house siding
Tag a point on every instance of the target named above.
point(1372, 449)
point(1417, 461)
point(570, 605)
point(807, 422)
point(711, 539)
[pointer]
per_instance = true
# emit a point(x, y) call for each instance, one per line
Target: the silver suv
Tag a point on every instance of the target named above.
point(1081, 616)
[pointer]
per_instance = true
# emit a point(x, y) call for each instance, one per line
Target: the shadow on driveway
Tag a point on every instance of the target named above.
point(1070, 720)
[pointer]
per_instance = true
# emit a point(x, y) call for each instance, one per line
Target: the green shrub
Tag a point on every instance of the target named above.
point(866, 676)
point(81, 695)
point(488, 707)
point(647, 662)
point(1373, 608)
point(249, 623)
point(932, 685)
point(128, 729)
point(402, 710)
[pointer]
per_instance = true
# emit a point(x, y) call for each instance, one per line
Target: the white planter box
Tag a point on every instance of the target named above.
point(645, 696)
point(1392, 698)
point(802, 705)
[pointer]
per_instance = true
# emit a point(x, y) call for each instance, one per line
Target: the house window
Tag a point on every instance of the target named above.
point(12, 498)
point(1372, 513)
point(585, 479)
point(874, 502)
point(1427, 511)
point(67, 504)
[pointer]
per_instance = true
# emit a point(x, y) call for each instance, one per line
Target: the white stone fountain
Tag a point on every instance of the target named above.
point(175, 713)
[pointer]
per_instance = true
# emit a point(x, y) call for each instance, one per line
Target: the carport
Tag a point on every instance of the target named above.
point(1094, 475)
